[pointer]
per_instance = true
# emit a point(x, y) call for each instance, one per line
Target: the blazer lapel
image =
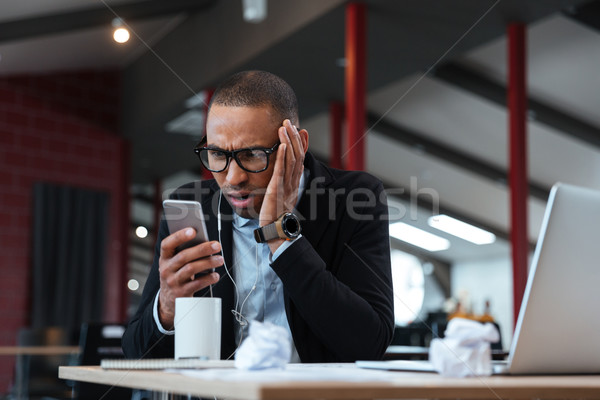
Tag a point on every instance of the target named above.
point(316, 202)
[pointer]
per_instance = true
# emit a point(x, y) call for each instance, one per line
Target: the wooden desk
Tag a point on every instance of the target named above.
point(38, 350)
point(398, 385)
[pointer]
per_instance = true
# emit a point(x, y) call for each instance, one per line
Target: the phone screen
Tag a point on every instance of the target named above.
point(181, 214)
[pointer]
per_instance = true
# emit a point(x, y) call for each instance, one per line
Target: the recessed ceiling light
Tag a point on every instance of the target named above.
point(133, 285)
point(141, 232)
point(418, 237)
point(120, 34)
point(461, 229)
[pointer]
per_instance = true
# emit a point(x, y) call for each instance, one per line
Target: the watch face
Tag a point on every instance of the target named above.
point(290, 225)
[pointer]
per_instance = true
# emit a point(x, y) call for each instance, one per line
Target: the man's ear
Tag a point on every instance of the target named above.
point(304, 139)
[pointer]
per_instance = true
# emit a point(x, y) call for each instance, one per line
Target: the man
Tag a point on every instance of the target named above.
point(329, 284)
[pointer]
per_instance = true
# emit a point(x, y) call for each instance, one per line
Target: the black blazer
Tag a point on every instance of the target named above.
point(336, 278)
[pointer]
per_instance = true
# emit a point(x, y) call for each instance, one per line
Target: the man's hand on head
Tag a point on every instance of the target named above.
point(282, 192)
point(177, 271)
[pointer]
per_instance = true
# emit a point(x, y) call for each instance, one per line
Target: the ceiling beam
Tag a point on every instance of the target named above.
point(96, 16)
point(480, 85)
point(448, 154)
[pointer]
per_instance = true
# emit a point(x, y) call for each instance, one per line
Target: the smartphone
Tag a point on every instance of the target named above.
point(181, 214)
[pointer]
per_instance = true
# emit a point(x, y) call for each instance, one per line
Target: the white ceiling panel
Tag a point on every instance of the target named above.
point(478, 127)
point(446, 114)
point(554, 157)
point(563, 62)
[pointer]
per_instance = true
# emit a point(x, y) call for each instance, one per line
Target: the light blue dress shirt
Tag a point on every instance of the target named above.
point(260, 291)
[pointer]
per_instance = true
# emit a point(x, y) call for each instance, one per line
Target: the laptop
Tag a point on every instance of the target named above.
point(558, 328)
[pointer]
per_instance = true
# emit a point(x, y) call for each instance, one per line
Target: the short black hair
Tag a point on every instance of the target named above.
point(257, 89)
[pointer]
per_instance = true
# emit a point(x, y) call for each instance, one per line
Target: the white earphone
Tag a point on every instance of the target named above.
point(238, 309)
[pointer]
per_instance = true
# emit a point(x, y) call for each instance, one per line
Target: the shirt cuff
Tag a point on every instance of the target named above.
point(157, 320)
point(281, 249)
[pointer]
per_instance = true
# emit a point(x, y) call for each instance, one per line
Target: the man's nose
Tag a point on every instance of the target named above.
point(235, 174)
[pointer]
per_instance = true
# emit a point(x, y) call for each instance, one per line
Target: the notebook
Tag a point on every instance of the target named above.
point(165, 363)
point(559, 319)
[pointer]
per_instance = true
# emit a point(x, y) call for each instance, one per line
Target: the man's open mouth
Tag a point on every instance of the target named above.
point(240, 200)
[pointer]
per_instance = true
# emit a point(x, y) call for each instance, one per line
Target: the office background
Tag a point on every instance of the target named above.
point(79, 111)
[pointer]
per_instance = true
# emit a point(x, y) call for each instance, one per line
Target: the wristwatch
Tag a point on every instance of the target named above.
point(287, 227)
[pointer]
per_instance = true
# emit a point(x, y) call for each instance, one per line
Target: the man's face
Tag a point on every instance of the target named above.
point(234, 128)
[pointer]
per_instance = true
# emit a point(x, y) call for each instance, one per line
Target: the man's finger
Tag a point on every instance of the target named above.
point(205, 265)
point(201, 250)
point(278, 172)
point(290, 158)
point(169, 245)
point(191, 287)
point(295, 139)
point(295, 159)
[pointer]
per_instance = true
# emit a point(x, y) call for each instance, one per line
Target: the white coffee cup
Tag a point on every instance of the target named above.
point(198, 327)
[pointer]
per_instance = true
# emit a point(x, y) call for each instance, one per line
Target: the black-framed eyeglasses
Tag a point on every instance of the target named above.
point(253, 159)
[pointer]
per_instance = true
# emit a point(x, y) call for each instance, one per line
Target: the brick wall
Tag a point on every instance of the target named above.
point(59, 128)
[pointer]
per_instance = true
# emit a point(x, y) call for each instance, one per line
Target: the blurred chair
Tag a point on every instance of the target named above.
point(421, 333)
point(97, 342)
point(36, 376)
point(415, 334)
point(498, 345)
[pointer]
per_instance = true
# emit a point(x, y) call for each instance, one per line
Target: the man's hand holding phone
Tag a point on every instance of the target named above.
point(177, 271)
point(187, 258)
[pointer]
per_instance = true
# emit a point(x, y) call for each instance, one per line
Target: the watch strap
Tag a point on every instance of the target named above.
point(267, 232)
point(270, 231)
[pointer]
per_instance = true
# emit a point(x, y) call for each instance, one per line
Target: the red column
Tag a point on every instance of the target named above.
point(517, 106)
point(336, 113)
point(356, 62)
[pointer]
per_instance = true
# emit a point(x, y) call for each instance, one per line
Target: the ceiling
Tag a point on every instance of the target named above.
point(437, 123)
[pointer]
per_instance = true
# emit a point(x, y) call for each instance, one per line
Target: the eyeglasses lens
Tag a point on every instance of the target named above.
point(251, 160)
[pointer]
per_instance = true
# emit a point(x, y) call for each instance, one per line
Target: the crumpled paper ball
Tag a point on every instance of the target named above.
point(465, 349)
point(267, 346)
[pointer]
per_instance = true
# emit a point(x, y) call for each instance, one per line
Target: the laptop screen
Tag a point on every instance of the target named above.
point(559, 321)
